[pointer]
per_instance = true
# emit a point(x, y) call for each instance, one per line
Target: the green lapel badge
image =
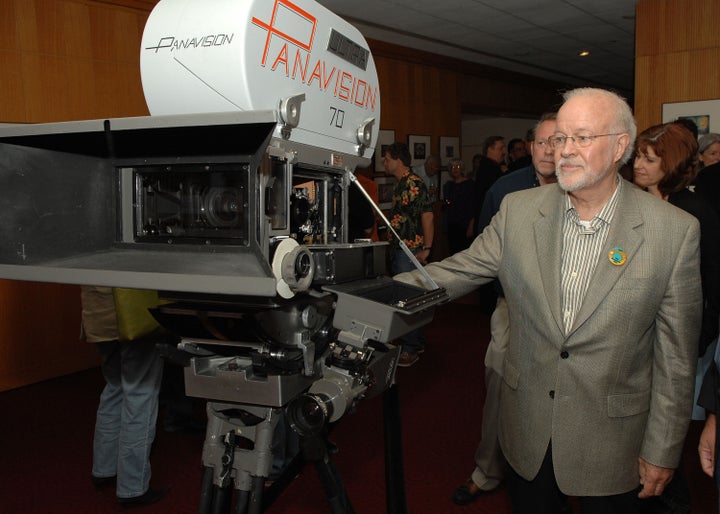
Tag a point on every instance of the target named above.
point(617, 256)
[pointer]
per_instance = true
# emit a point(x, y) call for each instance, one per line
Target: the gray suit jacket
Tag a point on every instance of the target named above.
point(619, 384)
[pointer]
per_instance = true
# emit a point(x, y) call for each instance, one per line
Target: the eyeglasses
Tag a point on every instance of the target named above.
point(579, 140)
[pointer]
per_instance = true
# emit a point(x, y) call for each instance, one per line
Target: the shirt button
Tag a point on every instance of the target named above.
point(552, 394)
point(564, 354)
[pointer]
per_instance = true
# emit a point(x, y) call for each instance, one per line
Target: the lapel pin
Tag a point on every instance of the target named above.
point(617, 256)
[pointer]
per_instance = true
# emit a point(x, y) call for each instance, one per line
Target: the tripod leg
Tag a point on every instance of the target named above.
point(394, 468)
point(206, 490)
point(315, 449)
point(255, 505)
point(334, 489)
point(241, 502)
point(222, 500)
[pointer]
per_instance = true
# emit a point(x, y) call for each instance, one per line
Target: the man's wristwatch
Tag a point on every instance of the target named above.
point(427, 247)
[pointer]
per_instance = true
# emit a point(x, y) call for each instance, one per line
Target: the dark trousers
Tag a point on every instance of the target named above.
point(541, 495)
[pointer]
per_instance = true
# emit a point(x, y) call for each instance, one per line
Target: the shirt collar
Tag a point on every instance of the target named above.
point(603, 217)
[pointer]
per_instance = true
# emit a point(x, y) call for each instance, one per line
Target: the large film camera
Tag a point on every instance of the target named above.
point(231, 200)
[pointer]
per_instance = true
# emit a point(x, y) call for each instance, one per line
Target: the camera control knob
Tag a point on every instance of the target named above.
point(298, 268)
point(293, 266)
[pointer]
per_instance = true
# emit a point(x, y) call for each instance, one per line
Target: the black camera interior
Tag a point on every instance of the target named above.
point(187, 203)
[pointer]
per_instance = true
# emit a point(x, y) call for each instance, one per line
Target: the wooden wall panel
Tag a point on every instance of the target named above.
point(666, 26)
point(418, 100)
point(40, 333)
point(12, 108)
point(76, 60)
point(677, 54)
point(57, 88)
point(118, 90)
point(116, 34)
point(8, 40)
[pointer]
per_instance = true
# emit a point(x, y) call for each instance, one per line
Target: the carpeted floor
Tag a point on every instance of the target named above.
point(46, 441)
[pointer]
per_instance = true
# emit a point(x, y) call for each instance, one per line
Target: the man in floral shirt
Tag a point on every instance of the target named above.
point(411, 216)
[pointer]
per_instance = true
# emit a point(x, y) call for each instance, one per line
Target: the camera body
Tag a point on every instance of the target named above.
point(231, 200)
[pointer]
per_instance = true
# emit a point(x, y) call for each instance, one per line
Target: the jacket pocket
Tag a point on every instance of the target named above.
point(510, 374)
point(621, 405)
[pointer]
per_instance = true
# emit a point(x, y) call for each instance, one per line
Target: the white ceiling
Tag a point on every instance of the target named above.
point(541, 38)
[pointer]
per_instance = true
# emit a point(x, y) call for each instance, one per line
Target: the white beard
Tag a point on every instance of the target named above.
point(577, 180)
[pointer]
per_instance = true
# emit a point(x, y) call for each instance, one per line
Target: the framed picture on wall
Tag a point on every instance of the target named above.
point(449, 149)
point(385, 139)
point(419, 147)
point(385, 185)
point(705, 114)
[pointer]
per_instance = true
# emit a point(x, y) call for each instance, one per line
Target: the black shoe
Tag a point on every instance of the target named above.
point(467, 493)
point(101, 482)
point(150, 496)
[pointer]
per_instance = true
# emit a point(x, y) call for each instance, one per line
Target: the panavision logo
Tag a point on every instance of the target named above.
point(290, 35)
point(172, 43)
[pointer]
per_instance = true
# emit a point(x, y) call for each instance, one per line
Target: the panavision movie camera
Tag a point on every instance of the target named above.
point(231, 200)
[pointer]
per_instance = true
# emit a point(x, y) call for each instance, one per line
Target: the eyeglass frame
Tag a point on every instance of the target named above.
point(554, 142)
point(542, 143)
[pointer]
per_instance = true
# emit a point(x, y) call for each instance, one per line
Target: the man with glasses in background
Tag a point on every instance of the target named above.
point(603, 290)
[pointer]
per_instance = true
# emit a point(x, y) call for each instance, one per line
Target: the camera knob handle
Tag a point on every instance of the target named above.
point(298, 268)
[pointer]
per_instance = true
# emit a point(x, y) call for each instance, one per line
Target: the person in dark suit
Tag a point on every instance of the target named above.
point(487, 168)
point(602, 282)
point(459, 207)
point(707, 184)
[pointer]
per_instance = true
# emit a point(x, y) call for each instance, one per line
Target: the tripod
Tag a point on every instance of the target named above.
point(238, 455)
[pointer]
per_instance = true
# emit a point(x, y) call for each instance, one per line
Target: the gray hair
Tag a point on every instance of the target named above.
point(623, 118)
point(707, 141)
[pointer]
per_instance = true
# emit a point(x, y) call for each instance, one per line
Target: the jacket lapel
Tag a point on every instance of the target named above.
point(548, 241)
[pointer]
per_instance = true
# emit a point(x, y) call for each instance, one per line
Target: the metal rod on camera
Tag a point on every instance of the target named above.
point(428, 279)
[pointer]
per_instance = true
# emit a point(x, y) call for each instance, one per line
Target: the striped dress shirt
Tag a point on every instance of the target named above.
point(582, 243)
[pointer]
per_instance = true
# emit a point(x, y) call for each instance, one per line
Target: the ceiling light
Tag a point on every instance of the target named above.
point(584, 53)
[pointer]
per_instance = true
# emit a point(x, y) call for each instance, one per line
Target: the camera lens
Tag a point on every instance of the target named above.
point(308, 414)
point(222, 207)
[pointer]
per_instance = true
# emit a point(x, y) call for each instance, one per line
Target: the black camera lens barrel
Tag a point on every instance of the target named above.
point(309, 413)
